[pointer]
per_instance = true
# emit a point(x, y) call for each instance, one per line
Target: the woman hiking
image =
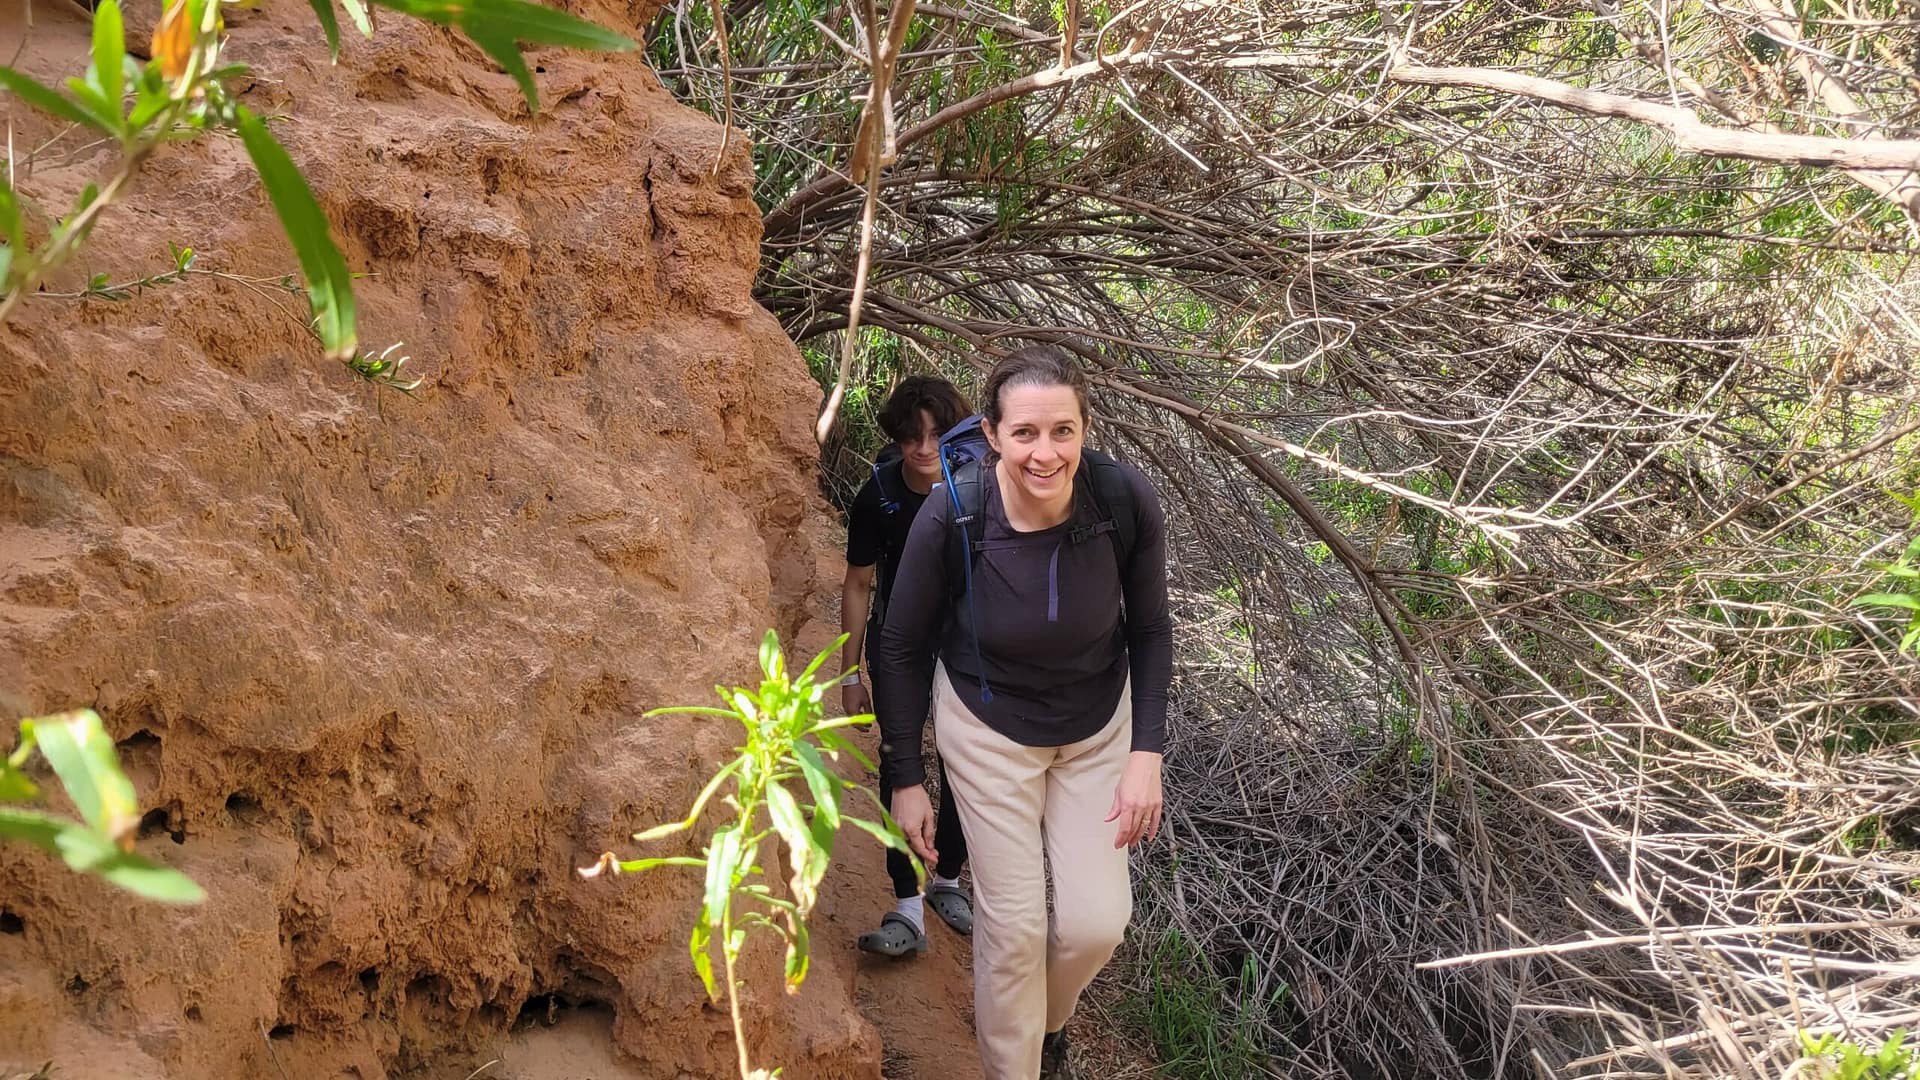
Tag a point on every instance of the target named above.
point(1049, 699)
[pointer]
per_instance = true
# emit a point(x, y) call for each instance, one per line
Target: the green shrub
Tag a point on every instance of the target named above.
point(182, 92)
point(784, 788)
point(1202, 1026)
point(1834, 1058)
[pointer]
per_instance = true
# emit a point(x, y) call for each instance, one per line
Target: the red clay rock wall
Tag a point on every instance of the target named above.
point(377, 665)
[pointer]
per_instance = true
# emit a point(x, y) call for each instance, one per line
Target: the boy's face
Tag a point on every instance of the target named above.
point(920, 454)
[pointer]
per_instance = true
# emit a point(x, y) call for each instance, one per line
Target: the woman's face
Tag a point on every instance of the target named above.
point(1039, 437)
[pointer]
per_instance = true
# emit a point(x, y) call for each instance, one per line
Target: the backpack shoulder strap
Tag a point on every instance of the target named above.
point(1113, 497)
point(968, 500)
point(889, 479)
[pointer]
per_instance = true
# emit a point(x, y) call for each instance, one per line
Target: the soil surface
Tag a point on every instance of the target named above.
point(378, 666)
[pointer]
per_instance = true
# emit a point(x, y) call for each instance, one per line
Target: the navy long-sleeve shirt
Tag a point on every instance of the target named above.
point(1061, 626)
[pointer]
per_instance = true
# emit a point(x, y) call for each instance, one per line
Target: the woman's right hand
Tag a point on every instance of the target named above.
point(913, 812)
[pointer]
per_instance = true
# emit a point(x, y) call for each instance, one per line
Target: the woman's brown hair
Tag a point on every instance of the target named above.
point(1035, 365)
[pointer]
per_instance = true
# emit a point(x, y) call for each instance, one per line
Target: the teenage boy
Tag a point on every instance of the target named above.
point(914, 417)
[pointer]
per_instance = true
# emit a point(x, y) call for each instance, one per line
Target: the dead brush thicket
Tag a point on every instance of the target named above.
point(1530, 407)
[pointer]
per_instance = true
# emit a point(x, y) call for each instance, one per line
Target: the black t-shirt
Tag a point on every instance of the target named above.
point(876, 538)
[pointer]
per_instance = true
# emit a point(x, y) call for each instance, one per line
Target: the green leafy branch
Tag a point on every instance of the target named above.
point(182, 92)
point(1907, 572)
point(1834, 1058)
point(76, 746)
point(382, 369)
point(782, 787)
point(103, 287)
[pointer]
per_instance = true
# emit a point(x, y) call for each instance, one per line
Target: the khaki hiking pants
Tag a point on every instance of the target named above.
point(1016, 804)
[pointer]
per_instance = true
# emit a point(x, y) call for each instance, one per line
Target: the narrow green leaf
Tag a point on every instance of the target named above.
point(515, 20)
point(77, 746)
point(723, 857)
point(802, 856)
point(696, 710)
point(90, 852)
point(149, 97)
point(500, 46)
point(1899, 600)
point(787, 820)
point(822, 658)
point(357, 11)
point(839, 744)
point(636, 865)
point(109, 55)
point(539, 25)
point(24, 749)
point(820, 782)
point(15, 786)
point(84, 848)
point(749, 862)
point(797, 955)
point(329, 25)
point(699, 946)
point(91, 99)
point(41, 830)
point(151, 880)
point(329, 286)
point(825, 831)
point(889, 837)
point(659, 831)
point(860, 720)
point(6, 267)
point(770, 653)
point(48, 100)
point(699, 804)
point(747, 706)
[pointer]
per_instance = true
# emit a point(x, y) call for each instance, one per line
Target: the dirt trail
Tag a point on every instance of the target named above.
point(922, 1006)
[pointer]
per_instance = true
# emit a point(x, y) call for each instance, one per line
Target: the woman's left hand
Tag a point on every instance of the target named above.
point(1136, 802)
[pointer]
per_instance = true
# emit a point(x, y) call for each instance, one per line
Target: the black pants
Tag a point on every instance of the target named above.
point(948, 840)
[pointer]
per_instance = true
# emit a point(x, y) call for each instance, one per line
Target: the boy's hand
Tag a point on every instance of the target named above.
point(855, 699)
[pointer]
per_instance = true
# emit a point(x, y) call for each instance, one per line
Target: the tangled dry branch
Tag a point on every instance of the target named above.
point(1526, 466)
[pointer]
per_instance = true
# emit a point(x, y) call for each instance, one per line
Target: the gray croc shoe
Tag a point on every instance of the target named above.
point(953, 905)
point(896, 937)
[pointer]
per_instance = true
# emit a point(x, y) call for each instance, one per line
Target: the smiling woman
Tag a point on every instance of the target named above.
point(1049, 700)
point(1036, 421)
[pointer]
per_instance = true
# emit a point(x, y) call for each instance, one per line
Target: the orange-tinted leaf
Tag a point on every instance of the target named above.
point(173, 40)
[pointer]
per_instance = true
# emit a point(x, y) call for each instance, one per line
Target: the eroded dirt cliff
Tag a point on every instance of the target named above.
point(377, 665)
